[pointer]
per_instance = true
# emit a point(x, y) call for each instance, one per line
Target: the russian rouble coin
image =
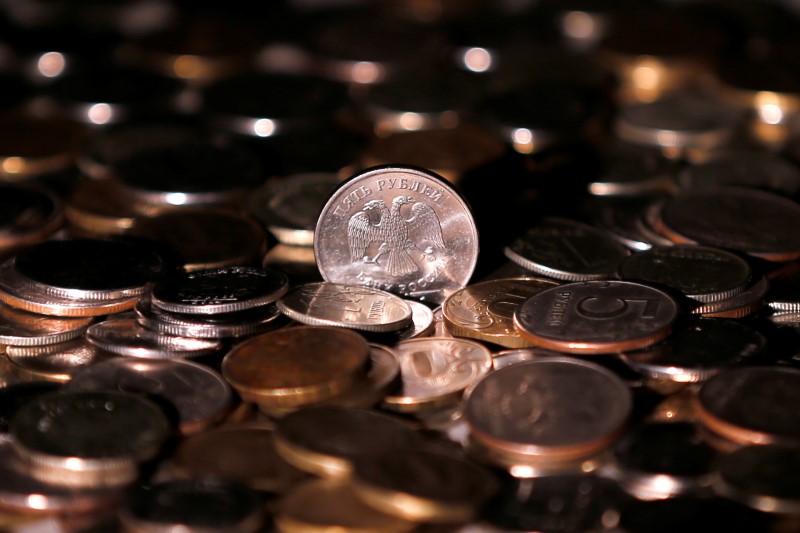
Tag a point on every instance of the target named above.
point(400, 229)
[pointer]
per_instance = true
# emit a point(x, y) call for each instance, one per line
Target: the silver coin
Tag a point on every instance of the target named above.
point(349, 306)
point(56, 362)
point(20, 328)
point(400, 229)
point(198, 394)
point(127, 337)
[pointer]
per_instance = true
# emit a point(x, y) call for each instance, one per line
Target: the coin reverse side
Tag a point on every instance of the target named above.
point(400, 229)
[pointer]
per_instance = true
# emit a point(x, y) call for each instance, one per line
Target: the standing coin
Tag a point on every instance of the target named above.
point(349, 306)
point(596, 317)
point(485, 311)
point(397, 228)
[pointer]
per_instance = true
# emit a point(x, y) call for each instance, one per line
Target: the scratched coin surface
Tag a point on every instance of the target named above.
point(597, 317)
point(559, 408)
point(400, 229)
point(485, 311)
point(349, 306)
point(435, 371)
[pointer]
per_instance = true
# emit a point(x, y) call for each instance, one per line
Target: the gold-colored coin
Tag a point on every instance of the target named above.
point(296, 366)
point(485, 311)
point(99, 207)
point(328, 506)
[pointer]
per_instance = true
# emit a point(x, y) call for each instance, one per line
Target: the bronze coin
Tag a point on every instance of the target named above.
point(296, 366)
point(752, 405)
point(553, 408)
point(596, 317)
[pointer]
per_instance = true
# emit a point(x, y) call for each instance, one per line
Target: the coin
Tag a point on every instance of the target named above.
point(697, 350)
point(550, 409)
point(124, 336)
point(350, 306)
point(630, 170)
point(744, 168)
point(219, 290)
point(56, 362)
point(662, 460)
point(325, 505)
point(435, 372)
point(429, 252)
point(325, 441)
point(566, 250)
point(596, 317)
point(485, 311)
point(687, 513)
point(754, 222)
point(27, 215)
point(34, 146)
point(762, 477)
point(87, 438)
point(701, 273)
point(20, 328)
point(747, 302)
point(13, 396)
point(244, 454)
point(98, 208)
point(748, 405)
point(197, 396)
point(209, 505)
point(296, 366)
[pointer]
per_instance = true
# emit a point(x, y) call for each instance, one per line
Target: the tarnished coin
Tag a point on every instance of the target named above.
point(124, 336)
point(349, 306)
point(749, 405)
point(762, 477)
point(244, 454)
point(485, 311)
point(702, 273)
point(754, 222)
point(596, 317)
point(20, 328)
point(567, 250)
point(400, 229)
point(197, 395)
point(325, 441)
point(208, 505)
point(548, 409)
point(422, 486)
point(324, 505)
point(219, 290)
point(698, 350)
point(435, 372)
point(56, 362)
point(289, 206)
point(87, 438)
point(296, 366)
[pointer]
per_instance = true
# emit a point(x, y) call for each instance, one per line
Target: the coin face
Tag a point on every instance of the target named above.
point(485, 311)
point(557, 408)
point(400, 229)
point(596, 317)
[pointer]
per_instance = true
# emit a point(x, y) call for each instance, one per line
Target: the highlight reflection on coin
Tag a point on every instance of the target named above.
point(400, 229)
point(596, 317)
point(485, 311)
point(435, 371)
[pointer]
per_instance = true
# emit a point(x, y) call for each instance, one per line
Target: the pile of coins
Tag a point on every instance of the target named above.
point(458, 267)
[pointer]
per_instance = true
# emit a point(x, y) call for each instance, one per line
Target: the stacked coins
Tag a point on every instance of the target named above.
point(398, 266)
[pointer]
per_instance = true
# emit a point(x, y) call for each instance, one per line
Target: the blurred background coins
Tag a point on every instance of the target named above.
point(485, 311)
point(29, 215)
point(326, 441)
point(197, 397)
point(87, 439)
point(397, 228)
point(296, 366)
point(124, 336)
point(566, 250)
point(596, 317)
point(349, 306)
point(435, 372)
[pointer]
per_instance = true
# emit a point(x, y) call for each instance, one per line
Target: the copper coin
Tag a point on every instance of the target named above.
point(750, 405)
point(33, 146)
point(754, 222)
point(551, 408)
point(21, 328)
point(485, 311)
point(296, 366)
point(596, 317)
point(27, 215)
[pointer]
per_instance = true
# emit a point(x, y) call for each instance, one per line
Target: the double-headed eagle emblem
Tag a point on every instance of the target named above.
point(395, 234)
